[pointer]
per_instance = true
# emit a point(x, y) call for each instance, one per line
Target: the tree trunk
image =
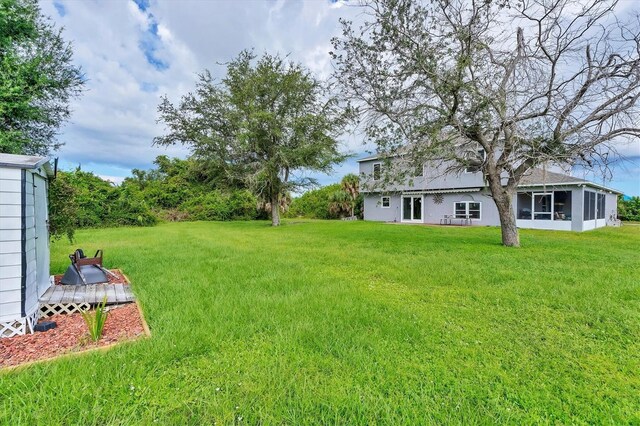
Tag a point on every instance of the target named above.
point(510, 235)
point(275, 211)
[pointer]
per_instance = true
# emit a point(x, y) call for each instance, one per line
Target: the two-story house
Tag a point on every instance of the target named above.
point(546, 199)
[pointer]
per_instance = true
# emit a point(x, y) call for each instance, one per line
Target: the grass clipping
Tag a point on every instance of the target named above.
point(95, 320)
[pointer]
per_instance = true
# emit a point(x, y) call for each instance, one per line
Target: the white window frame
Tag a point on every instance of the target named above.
point(402, 219)
point(373, 173)
point(466, 209)
point(484, 158)
point(382, 202)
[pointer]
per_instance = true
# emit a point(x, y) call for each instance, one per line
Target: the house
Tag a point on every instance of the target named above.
point(24, 240)
point(546, 199)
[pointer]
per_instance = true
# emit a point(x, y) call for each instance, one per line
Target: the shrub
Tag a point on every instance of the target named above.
point(217, 205)
point(629, 209)
point(314, 204)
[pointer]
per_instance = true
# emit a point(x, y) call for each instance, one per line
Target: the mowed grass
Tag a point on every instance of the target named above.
point(354, 323)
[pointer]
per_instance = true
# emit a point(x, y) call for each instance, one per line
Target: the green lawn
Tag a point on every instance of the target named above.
point(355, 323)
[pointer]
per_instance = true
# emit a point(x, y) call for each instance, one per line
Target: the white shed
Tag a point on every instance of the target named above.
point(24, 240)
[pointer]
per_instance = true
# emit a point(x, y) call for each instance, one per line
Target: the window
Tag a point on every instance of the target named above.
point(542, 206)
point(589, 212)
point(377, 171)
point(476, 161)
point(385, 202)
point(466, 209)
point(555, 205)
point(600, 214)
point(561, 205)
point(525, 201)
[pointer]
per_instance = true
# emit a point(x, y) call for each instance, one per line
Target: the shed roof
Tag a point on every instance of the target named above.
point(25, 162)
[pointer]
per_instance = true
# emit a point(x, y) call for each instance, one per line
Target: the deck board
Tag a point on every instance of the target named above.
point(93, 293)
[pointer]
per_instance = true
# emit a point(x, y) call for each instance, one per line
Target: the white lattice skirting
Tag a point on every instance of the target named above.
point(20, 326)
point(47, 310)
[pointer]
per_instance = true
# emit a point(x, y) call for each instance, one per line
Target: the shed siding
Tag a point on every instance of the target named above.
point(10, 243)
point(31, 290)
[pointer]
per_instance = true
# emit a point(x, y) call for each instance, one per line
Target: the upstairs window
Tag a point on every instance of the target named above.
point(377, 171)
point(476, 161)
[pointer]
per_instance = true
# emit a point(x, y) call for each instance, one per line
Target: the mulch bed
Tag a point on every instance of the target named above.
point(121, 279)
point(124, 322)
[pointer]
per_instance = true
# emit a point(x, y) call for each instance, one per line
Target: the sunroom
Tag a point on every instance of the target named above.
point(545, 209)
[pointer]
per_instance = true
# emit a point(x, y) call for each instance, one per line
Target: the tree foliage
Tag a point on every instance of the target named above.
point(331, 201)
point(79, 199)
point(188, 190)
point(528, 82)
point(37, 79)
point(259, 127)
point(63, 207)
point(629, 209)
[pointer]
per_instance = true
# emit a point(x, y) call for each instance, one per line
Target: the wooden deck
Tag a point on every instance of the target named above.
point(91, 294)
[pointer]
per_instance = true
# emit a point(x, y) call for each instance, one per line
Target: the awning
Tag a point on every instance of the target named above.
point(441, 191)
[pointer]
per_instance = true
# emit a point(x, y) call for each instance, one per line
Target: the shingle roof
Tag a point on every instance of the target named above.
point(540, 176)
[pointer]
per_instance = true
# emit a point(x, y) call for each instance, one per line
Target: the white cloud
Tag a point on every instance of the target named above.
point(114, 121)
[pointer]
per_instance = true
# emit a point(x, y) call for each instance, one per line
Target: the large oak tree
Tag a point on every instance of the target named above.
point(262, 126)
point(37, 79)
point(529, 82)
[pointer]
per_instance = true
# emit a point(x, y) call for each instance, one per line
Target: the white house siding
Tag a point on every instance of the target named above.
point(10, 244)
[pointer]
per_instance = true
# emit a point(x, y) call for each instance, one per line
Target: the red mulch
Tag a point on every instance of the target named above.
point(71, 335)
point(121, 279)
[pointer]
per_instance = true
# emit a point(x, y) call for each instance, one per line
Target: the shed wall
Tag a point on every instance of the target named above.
point(10, 244)
point(30, 291)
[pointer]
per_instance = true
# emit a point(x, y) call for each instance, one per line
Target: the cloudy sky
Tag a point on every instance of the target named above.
point(133, 52)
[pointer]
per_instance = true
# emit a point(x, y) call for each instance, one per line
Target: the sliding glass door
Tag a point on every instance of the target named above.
point(412, 209)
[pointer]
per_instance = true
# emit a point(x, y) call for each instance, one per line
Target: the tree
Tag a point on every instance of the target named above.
point(259, 125)
point(63, 207)
point(629, 209)
point(339, 202)
point(37, 79)
point(504, 86)
point(351, 187)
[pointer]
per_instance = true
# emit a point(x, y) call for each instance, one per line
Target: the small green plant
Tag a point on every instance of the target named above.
point(95, 321)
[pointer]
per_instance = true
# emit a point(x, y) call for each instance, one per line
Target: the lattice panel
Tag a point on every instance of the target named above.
point(47, 310)
point(13, 328)
point(32, 320)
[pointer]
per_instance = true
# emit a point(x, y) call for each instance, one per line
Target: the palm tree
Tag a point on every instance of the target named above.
point(351, 186)
point(339, 202)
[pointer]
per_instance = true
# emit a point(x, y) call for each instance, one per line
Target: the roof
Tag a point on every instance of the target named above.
point(25, 162)
point(369, 158)
point(540, 177)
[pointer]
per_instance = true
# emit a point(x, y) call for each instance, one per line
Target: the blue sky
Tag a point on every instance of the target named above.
point(134, 51)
